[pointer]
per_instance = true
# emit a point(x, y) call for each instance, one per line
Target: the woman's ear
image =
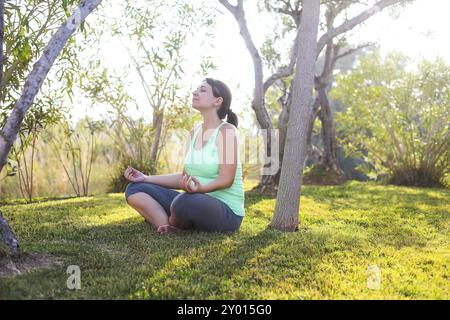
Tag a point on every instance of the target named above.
point(219, 101)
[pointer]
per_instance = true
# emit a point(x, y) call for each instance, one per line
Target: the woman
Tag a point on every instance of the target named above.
point(213, 197)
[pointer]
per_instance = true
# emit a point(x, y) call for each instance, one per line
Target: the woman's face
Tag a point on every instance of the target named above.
point(203, 97)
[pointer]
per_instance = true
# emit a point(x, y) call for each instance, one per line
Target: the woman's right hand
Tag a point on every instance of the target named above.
point(133, 175)
point(182, 182)
point(189, 183)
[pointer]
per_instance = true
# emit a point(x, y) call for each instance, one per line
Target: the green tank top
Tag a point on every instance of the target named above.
point(204, 165)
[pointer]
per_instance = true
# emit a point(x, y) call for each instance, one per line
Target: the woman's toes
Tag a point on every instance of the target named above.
point(166, 229)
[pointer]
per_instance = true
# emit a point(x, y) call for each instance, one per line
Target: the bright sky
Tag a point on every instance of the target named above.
point(420, 31)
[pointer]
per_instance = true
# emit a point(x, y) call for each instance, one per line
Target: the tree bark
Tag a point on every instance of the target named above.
point(329, 158)
point(330, 143)
point(8, 237)
point(158, 117)
point(286, 215)
point(2, 34)
point(313, 151)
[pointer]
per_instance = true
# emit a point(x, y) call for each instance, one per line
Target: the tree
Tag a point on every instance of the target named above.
point(293, 10)
point(397, 119)
point(287, 205)
point(80, 147)
point(31, 88)
point(43, 115)
point(28, 26)
point(159, 62)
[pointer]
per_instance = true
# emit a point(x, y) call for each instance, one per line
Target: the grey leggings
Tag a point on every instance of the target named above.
point(199, 210)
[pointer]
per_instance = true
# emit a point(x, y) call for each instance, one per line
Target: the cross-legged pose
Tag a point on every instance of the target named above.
point(213, 197)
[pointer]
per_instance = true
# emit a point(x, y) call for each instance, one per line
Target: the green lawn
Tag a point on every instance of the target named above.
point(344, 230)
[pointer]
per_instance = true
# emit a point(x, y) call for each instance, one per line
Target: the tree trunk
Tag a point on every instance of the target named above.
point(330, 153)
point(9, 239)
point(158, 117)
point(31, 88)
point(295, 150)
point(2, 33)
point(313, 152)
point(269, 182)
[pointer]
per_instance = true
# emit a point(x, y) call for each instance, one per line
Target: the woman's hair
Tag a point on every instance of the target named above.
point(220, 89)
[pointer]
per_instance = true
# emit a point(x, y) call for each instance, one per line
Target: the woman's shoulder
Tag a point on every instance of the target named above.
point(228, 132)
point(228, 126)
point(195, 127)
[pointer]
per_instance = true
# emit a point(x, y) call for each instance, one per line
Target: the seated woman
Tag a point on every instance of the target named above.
point(212, 176)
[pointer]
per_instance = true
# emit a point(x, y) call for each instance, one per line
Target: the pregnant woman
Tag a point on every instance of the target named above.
point(213, 197)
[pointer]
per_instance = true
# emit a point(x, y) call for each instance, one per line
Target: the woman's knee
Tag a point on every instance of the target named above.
point(135, 187)
point(180, 206)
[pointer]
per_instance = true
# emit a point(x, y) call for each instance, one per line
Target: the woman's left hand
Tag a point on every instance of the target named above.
point(193, 185)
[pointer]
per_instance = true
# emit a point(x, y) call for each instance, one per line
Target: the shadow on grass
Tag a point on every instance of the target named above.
point(238, 267)
point(124, 258)
point(128, 259)
point(385, 215)
point(203, 273)
point(113, 259)
point(385, 201)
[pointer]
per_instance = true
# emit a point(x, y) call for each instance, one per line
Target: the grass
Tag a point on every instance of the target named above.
point(344, 230)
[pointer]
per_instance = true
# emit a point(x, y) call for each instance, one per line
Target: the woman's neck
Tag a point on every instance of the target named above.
point(211, 120)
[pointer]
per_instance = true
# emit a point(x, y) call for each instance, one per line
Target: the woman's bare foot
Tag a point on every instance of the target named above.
point(167, 229)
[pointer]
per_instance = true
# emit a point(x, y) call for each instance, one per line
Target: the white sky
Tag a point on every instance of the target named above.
point(421, 31)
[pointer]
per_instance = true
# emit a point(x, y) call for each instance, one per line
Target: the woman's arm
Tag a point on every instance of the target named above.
point(171, 181)
point(165, 180)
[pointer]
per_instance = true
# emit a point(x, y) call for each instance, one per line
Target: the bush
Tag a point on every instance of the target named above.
point(317, 174)
point(118, 183)
point(417, 177)
point(397, 120)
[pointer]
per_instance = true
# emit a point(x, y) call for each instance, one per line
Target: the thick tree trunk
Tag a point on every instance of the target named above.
point(269, 184)
point(286, 215)
point(2, 33)
point(8, 237)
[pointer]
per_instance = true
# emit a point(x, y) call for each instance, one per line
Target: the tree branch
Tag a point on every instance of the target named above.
point(258, 96)
point(286, 71)
point(353, 50)
point(350, 24)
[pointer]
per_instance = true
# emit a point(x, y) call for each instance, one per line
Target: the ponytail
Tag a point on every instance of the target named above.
point(232, 118)
point(220, 89)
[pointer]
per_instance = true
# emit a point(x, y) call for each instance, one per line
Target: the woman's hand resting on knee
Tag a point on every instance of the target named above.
point(133, 175)
point(190, 184)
